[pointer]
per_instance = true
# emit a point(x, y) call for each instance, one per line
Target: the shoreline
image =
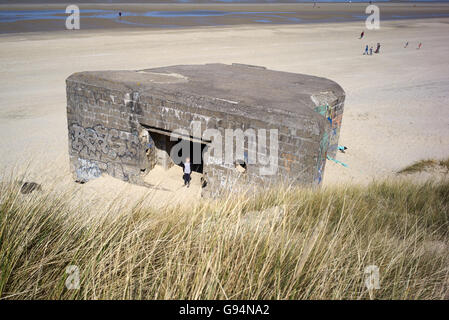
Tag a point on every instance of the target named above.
point(156, 30)
point(157, 16)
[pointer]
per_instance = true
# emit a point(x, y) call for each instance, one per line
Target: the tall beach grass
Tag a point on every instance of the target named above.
point(286, 243)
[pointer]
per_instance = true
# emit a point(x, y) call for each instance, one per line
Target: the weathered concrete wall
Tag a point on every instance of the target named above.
point(108, 114)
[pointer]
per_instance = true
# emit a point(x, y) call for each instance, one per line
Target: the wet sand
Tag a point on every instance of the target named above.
point(180, 15)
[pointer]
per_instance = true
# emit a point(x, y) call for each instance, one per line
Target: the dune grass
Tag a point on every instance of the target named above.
point(423, 165)
point(316, 246)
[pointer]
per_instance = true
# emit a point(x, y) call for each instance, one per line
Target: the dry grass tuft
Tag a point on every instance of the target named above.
point(424, 165)
point(307, 244)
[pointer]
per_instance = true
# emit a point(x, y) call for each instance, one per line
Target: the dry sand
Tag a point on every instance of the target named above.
point(396, 109)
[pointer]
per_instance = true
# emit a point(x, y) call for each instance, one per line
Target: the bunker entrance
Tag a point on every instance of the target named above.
point(161, 150)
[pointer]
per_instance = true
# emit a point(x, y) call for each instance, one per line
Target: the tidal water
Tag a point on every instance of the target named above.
point(198, 17)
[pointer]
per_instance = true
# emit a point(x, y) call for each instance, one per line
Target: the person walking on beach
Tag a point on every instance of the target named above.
point(371, 51)
point(366, 50)
point(419, 46)
point(187, 172)
point(406, 45)
point(362, 34)
point(378, 48)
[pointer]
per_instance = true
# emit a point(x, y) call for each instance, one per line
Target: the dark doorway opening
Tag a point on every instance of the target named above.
point(163, 151)
point(188, 149)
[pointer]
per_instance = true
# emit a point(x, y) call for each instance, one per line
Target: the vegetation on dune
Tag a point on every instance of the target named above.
point(423, 165)
point(283, 244)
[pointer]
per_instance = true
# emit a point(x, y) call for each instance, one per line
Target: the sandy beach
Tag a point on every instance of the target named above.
point(34, 17)
point(396, 101)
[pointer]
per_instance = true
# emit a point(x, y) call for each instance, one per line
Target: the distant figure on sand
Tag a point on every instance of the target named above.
point(377, 48)
point(419, 46)
point(362, 34)
point(120, 14)
point(366, 50)
point(406, 45)
point(187, 172)
point(371, 51)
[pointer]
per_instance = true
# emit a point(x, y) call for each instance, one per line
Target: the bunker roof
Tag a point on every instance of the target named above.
point(232, 88)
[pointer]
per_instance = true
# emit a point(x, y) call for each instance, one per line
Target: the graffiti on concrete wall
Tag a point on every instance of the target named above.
point(99, 149)
point(87, 170)
point(102, 143)
point(334, 115)
point(324, 145)
point(331, 114)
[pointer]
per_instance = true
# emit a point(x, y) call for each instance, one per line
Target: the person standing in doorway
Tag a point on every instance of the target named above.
point(187, 172)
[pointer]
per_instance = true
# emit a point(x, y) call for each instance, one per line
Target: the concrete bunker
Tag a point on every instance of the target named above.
point(121, 123)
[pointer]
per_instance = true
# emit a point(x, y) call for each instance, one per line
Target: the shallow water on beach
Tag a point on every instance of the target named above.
point(184, 14)
point(197, 17)
point(261, 17)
